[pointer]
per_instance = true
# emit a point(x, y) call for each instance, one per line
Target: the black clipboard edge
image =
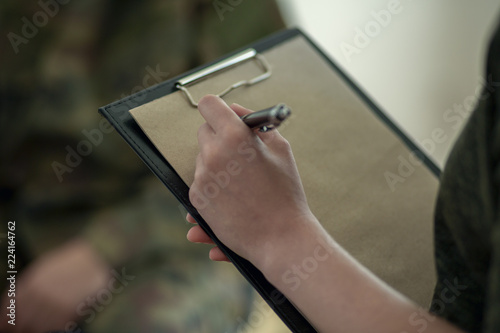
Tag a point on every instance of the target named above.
point(118, 115)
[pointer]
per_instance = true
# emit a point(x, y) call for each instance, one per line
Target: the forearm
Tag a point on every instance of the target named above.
point(334, 291)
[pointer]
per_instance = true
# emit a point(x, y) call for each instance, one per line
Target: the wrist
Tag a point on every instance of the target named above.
point(300, 247)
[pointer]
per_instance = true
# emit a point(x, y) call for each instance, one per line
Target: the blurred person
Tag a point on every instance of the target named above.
point(99, 243)
point(263, 215)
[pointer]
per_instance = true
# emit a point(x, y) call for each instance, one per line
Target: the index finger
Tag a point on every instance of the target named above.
point(217, 113)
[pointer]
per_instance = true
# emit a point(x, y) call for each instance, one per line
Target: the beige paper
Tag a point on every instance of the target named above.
point(342, 151)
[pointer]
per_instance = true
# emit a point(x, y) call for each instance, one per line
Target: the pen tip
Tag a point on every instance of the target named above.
point(283, 112)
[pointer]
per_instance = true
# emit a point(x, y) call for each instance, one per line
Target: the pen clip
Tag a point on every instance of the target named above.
point(238, 58)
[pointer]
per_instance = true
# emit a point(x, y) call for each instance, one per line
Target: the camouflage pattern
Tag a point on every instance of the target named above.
point(64, 172)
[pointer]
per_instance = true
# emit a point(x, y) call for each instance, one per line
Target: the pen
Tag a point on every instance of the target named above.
point(267, 119)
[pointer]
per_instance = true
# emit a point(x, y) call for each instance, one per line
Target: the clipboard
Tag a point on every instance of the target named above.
point(379, 177)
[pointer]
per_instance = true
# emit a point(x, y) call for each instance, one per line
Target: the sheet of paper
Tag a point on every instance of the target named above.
point(343, 152)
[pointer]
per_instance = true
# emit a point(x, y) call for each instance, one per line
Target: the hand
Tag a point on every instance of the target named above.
point(246, 185)
point(50, 289)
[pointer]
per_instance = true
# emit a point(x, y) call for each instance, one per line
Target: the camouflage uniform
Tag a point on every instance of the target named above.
point(60, 62)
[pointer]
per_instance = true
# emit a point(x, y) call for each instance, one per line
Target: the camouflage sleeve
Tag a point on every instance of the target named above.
point(64, 165)
point(65, 173)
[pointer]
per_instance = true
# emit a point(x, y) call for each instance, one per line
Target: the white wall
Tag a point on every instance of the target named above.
point(428, 58)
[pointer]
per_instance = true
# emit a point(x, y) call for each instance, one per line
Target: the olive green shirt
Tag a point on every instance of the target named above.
point(467, 221)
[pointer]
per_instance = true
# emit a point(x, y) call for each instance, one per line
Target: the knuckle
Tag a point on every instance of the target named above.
point(197, 175)
point(192, 193)
point(205, 152)
point(211, 160)
point(208, 151)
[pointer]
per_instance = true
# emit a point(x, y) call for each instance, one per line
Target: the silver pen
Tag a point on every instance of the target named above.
point(267, 119)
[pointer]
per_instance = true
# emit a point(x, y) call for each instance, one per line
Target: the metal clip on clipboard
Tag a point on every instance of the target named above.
point(227, 63)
